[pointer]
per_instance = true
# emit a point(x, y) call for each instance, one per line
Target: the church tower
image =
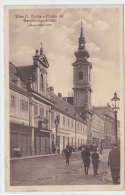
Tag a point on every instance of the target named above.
point(82, 79)
point(39, 76)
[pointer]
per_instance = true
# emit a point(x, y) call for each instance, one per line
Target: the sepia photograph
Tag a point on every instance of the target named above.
point(64, 98)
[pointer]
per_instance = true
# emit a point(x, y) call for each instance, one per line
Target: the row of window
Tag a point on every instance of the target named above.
point(69, 122)
point(78, 141)
point(78, 125)
point(24, 104)
point(24, 107)
point(43, 112)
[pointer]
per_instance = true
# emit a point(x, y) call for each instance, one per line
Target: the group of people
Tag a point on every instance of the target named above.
point(85, 154)
point(96, 156)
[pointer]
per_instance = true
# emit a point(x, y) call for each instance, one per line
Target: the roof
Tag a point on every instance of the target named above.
point(65, 107)
point(25, 72)
point(14, 77)
point(100, 115)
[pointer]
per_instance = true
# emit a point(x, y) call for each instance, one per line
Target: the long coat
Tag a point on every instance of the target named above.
point(67, 153)
point(95, 159)
point(114, 159)
point(86, 158)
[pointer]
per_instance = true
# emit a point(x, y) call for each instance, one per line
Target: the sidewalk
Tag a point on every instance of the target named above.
point(33, 156)
point(38, 156)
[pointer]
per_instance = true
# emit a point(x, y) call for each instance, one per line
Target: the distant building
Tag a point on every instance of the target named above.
point(107, 113)
point(97, 129)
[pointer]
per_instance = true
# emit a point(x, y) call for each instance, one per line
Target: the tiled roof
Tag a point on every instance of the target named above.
point(65, 107)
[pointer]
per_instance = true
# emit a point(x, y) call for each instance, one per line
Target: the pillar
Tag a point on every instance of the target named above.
point(32, 125)
point(38, 79)
point(50, 128)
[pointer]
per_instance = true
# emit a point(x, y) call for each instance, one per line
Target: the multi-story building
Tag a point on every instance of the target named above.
point(72, 129)
point(20, 129)
point(30, 126)
point(34, 110)
point(97, 129)
point(107, 113)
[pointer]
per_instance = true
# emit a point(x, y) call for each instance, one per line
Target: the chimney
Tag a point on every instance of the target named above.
point(60, 95)
point(51, 89)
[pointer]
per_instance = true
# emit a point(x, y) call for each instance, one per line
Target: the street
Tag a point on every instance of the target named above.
point(52, 170)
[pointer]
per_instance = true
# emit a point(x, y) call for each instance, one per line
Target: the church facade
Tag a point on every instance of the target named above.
point(40, 120)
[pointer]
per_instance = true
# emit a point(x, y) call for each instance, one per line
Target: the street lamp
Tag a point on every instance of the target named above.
point(115, 103)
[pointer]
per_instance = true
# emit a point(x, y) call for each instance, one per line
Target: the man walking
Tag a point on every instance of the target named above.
point(67, 154)
point(114, 163)
point(95, 161)
point(86, 160)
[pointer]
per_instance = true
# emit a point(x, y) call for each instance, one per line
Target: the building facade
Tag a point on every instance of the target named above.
point(107, 113)
point(34, 110)
point(72, 129)
point(97, 129)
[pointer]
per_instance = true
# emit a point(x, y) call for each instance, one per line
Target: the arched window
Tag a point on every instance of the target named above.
point(41, 82)
point(80, 75)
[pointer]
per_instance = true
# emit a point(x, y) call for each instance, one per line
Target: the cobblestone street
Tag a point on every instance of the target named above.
point(52, 170)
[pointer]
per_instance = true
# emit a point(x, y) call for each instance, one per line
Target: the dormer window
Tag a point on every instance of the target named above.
point(80, 75)
point(41, 82)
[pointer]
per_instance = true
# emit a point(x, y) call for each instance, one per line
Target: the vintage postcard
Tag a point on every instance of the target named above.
point(64, 98)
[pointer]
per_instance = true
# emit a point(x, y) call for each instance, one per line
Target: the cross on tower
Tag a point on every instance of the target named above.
point(41, 44)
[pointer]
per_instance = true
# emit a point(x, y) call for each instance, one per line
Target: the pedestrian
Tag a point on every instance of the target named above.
point(82, 152)
point(114, 163)
point(95, 161)
point(54, 149)
point(86, 160)
point(58, 149)
point(67, 154)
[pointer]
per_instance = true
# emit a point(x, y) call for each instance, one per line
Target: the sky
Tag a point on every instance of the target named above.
point(60, 41)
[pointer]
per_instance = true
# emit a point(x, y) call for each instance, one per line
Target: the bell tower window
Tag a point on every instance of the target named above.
point(41, 82)
point(80, 75)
